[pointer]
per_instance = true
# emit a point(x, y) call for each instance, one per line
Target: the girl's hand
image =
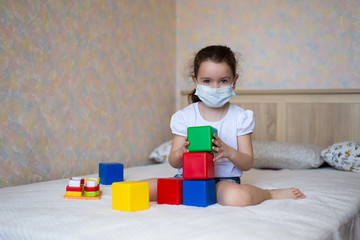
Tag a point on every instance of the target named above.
point(223, 150)
point(185, 147)
point(179, 146)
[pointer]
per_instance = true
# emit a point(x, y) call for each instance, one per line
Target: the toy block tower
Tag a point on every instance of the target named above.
point(75, 187)
point(92, 187)
point(198, 168)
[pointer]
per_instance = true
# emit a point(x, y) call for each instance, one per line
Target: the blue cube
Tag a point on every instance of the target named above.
point(110, 173)
point(199, 193)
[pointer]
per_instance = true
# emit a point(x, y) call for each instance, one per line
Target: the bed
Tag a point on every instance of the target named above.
point(305, 118)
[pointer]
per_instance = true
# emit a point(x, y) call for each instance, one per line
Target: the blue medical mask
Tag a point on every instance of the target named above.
point(214, 97)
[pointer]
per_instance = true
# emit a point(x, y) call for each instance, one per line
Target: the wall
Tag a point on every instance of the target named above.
point(83, 82)
point(284, 44)
point(89, 81)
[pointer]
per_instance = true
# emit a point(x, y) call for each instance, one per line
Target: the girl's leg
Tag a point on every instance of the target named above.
point(152, 188)
point(232, 194)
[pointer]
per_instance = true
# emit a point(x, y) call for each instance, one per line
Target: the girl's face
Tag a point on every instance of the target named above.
point(215, 75)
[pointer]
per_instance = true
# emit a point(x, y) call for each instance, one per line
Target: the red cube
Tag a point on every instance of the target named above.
point(198, 165)
point(169, 191)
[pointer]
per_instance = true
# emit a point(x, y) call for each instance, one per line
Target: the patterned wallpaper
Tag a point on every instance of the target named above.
point(89, 81)
point(285, 44)
point(83, 82)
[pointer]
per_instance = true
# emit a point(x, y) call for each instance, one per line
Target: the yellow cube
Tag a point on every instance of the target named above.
point(130, 196)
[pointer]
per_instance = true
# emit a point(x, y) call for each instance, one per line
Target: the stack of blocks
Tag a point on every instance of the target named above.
point(79, 188)
point(75, 187)
point(126, 196)
point(91, 187)
point(197, 188)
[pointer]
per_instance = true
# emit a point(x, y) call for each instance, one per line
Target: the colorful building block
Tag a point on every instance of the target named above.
point(91, 189)
point(130, 196)
point(110, 173)
point(199, 193)
point(200, 138)
point(97, 180)
point(169, 191)
point(74, 187)
point(76, 182)
point(91, 194)
point(73, 194)
point(198, 165)
point(78, 188)
point(92, 182)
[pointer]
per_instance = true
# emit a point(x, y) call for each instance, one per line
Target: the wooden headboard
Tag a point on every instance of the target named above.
point(320, 117)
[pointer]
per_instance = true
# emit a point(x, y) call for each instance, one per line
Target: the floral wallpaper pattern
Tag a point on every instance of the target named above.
point(285, 44)
point(89, 81)
point(83, 82)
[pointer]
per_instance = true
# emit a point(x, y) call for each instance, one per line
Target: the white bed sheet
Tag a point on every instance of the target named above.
point(330, 211)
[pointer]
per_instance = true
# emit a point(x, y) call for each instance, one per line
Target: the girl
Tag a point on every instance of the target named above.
point(214, 75)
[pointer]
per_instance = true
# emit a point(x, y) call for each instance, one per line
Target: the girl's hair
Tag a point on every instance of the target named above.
point(215, 53)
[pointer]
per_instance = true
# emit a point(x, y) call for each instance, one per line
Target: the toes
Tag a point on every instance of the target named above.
point(298, 194)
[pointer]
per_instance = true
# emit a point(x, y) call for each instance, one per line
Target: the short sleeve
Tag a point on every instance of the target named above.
point(178, 125)
point(245, 122)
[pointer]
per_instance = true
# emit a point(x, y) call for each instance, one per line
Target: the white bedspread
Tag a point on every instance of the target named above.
point(330, 211)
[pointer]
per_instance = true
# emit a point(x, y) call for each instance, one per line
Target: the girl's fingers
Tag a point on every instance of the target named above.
point(217, 143)
point(217, 157)
point(217, 139)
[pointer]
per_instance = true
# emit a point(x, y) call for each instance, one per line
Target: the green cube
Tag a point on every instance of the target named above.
point(200, 138)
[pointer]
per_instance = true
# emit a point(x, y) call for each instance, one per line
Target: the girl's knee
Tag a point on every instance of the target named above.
point(234, 195)
point(152, 188)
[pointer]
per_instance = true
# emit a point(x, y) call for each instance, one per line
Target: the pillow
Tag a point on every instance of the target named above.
point(266, 155)
point(344, 156)
point(286, 155)
point(161, 153)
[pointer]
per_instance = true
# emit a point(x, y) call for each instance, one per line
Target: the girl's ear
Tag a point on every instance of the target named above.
point(235, 79)
point(194, 79)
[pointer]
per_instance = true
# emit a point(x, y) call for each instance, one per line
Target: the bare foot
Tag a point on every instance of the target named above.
point(286, 193)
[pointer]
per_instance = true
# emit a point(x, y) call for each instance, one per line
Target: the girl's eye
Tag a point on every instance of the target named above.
point(224, 81)
point(206, 81)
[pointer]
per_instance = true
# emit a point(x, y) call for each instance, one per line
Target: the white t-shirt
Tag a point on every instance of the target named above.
point(236, 122)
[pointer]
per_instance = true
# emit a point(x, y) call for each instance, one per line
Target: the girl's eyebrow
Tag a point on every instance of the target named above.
point(226, 77)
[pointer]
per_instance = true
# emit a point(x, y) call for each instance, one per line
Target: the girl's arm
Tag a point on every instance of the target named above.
point(241, 158)
point(178, 147)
